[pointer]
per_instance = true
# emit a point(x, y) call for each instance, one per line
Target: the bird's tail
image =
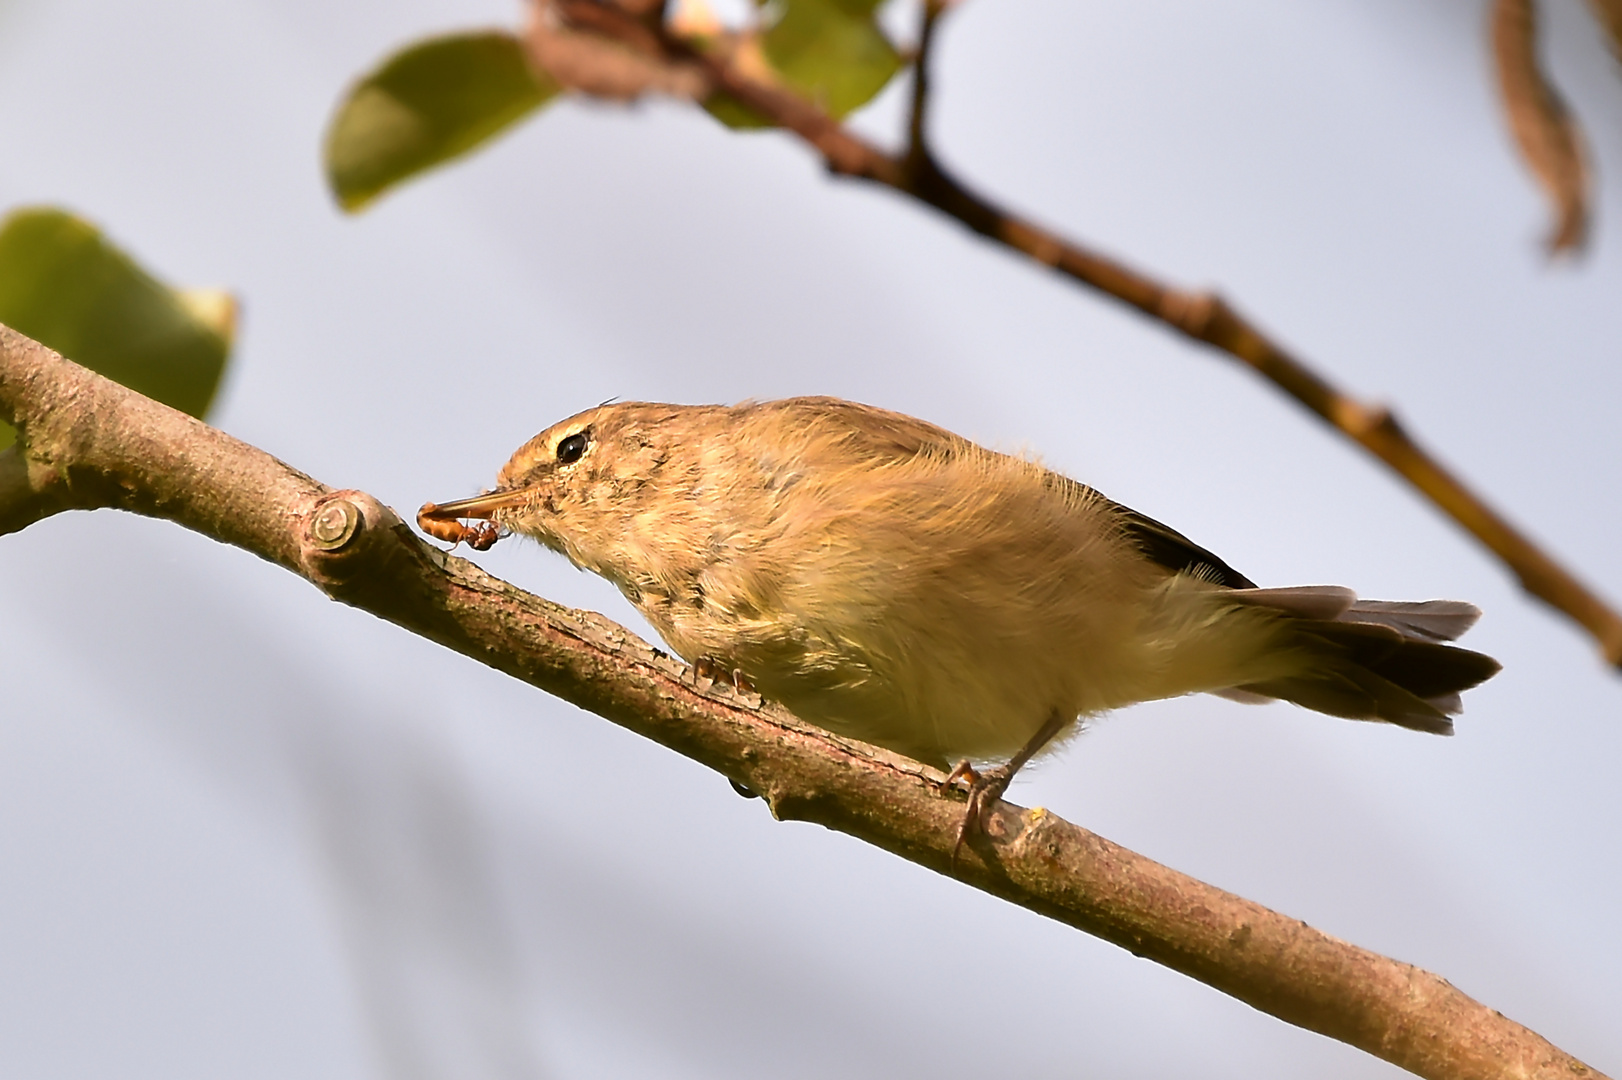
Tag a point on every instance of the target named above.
point(1366, 659)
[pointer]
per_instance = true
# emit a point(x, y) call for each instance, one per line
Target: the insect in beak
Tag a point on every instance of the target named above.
point(441, 520)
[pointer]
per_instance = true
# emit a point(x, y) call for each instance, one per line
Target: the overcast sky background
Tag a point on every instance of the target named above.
point(247, 832)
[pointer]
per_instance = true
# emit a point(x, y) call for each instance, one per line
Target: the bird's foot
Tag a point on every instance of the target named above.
point(985, 788)
point(710, 670)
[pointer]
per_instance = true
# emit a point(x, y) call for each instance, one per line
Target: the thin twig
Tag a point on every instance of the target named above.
point(917, 116)
point(1546, 133)
point(1204, 317)
point(85, 442)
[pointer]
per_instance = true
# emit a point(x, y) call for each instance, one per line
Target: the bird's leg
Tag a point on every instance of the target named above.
point(985, 788)
point(707, 669)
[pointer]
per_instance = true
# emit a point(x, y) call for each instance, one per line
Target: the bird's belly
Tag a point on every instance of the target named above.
point(940, 690)
point(937, 628)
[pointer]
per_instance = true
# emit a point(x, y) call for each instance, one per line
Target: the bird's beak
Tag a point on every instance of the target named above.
point(441, 521)
point(480, 506)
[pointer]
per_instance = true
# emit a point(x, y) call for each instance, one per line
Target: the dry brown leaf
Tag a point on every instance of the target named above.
point(601, 66)
point(1544, 129)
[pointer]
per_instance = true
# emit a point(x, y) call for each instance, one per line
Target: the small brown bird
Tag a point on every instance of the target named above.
point(888, 580)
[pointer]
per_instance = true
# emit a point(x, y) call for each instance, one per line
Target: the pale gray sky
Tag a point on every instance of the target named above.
point(248, 832)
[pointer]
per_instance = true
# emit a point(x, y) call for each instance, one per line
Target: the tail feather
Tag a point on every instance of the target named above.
point(1377, 660)
point(1307, 601)
point(1433, 620)
point(1425, 620)
point(1451, 704)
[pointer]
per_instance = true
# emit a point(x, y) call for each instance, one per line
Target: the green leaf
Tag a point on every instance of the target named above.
point(734, 113)
point(64, 285)
point(430, 103)
point(832, 51)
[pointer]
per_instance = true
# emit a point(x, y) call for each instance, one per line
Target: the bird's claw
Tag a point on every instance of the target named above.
point(709, 670)
point(985, 788)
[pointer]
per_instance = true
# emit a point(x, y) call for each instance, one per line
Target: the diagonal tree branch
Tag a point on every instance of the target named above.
point(85, 442)
point(1205, 317)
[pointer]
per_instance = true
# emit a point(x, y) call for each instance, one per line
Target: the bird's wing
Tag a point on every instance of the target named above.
point(1161, 543)
point(876, 433)
point(1178, 553)
point(896, 435)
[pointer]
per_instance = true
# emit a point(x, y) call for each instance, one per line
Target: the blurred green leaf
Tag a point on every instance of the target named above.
point(64, 285)
point(425, 105)
point(832, 51)
point(734, 113)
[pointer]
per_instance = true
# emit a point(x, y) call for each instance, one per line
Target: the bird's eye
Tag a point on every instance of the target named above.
point(570, 448)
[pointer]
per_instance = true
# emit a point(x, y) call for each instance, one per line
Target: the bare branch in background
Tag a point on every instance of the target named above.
point(1609, 13)
point(918, 116)
point(1205, 317)
point(1545, 130)
point(85, 442)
